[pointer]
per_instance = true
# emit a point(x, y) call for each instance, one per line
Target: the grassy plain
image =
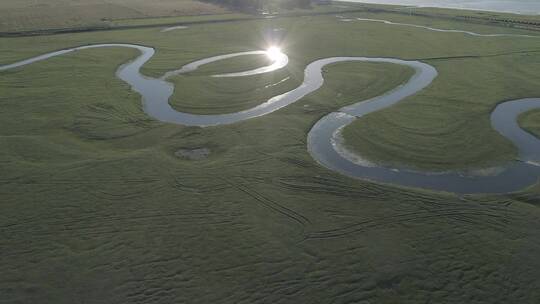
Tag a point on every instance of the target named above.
point(20, 15)
point(531, 121)
point(96, 206)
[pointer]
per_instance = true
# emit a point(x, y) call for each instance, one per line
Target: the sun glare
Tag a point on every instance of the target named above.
point(273, 53)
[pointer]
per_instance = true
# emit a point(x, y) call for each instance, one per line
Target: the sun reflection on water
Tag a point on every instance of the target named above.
point(274, 53)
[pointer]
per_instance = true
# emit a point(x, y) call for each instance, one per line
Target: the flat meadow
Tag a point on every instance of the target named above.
point(21, 15)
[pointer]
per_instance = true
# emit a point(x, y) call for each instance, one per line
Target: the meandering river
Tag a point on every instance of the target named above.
point(325, 142)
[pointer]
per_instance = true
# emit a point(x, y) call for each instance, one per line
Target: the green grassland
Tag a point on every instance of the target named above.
point(474, 14)
point(30, 17)
point(157, 21)
point(531, 122)
point(98, 208)
point(436, 129)
point(21, 15)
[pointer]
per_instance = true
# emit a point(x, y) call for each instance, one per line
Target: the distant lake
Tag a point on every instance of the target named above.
point(528, 7)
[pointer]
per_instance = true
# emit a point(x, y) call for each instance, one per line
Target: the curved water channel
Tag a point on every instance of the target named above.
point(526, 7)
point(434, 29)
point(324, 139)
point(173, 28)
